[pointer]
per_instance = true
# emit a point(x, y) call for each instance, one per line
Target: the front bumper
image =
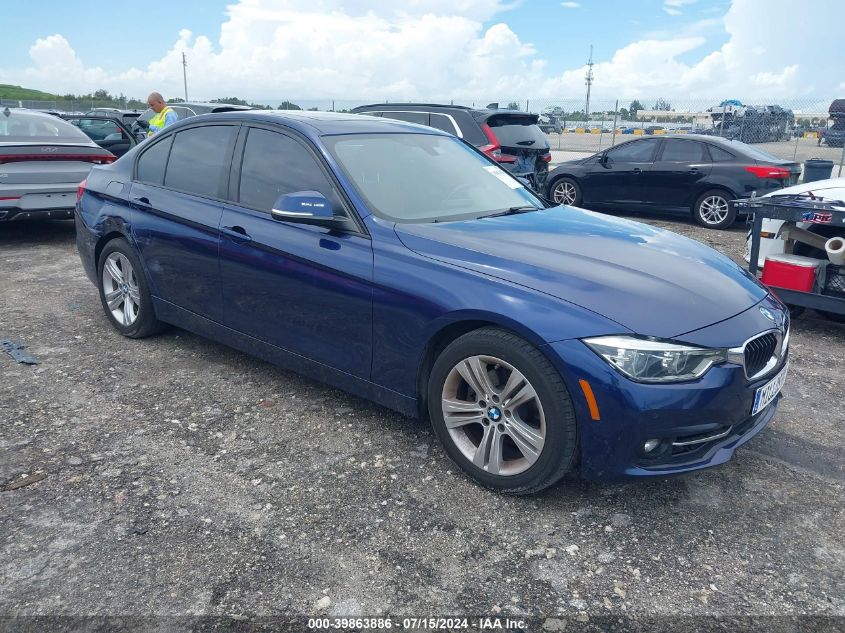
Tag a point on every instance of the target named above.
point(699, 423)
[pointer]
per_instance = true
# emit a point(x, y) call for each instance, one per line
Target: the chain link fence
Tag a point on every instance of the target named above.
point(792, 129)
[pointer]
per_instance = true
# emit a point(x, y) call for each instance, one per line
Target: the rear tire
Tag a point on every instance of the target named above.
point(713, 210)
point(511, 424)
point(124, 293)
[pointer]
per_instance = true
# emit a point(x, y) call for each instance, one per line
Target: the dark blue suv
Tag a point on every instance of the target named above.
point(401, 264)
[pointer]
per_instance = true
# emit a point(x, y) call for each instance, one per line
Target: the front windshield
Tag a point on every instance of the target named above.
point(423, 178)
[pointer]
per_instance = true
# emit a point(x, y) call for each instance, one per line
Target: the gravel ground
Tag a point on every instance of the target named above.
point(181, 477)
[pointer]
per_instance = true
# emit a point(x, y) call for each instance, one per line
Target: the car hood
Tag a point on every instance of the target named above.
point(651, 281)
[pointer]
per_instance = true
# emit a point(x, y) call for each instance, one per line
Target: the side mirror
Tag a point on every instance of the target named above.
point(603, 159)
point(307, 207)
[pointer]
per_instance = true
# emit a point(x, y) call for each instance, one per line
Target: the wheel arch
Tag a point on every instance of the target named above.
point(444, 333)
point(550, 182)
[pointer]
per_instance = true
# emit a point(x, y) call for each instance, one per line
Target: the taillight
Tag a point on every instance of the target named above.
point(493, 149)
point(546, 158)
point(80, 190)
point(769, 172)
point(97, 159)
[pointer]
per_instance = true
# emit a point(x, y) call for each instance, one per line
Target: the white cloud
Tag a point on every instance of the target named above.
point(570, 5)
point(672, 11)
point(673, 7)
point(271, 50)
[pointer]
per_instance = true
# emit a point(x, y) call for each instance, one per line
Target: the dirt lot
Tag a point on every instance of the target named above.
point(182, 477)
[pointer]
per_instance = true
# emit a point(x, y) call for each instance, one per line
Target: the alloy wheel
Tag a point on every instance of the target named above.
point(564, 193)
point(714, 210)
point(120, 288)
point(493, 415)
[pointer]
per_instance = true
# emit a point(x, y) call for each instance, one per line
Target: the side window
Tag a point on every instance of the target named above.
point(152, 162)
point(442, 122)
point(275, 164)
point(199, 161)
point(680, 151)
point(410, 117)
point(719, 155)
point(634, 152)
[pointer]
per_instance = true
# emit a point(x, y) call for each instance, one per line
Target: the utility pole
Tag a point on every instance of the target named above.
point(589, 81)
point(185, 74)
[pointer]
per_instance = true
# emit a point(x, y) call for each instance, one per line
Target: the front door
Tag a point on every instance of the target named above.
point(618, 179)
point(302, 288)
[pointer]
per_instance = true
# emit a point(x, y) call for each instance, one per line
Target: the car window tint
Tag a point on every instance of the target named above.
point(681, 151)
point(199, 160)
point(719, 155)
point(152, 162)
point(410, 117)
point(442, 122)
point(633, 152)
point(274, 165)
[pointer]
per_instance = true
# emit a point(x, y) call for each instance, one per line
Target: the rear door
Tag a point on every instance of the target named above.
point(306, 289)
point(678, 174)
point(180, 181)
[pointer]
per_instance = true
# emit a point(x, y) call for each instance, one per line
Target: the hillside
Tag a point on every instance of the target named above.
point(16, 92)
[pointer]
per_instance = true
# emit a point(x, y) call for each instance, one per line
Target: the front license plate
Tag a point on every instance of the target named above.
point(767, 392)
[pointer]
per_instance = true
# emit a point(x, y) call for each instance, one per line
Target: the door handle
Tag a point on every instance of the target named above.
point(142, 202)
point(637, 170)
point(693, 170)
point(236, 233)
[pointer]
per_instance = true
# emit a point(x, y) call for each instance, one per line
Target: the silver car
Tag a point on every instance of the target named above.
point(42, 161)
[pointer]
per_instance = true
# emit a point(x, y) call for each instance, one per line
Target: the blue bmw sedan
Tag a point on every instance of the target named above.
point(398, 263)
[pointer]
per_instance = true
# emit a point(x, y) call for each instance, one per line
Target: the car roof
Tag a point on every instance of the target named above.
point(324, 123)
point(486, 112)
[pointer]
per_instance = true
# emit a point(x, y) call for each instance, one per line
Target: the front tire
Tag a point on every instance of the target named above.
point(502, 412)
point(565, 191)
point(123, 291)
point(713, 210)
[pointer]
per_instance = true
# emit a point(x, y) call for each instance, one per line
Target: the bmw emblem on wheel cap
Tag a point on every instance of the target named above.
point(494, 414)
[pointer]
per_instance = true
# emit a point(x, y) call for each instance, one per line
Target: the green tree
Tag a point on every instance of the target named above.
point(635, 107)
point(513, 105)
point(288, 105)
point(662, 104)
point(102, 94)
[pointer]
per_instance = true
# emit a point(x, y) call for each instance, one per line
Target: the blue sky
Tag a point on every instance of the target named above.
point(264, 50)
point(562, 35)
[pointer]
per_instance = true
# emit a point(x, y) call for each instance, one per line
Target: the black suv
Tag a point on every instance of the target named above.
point(510, 137)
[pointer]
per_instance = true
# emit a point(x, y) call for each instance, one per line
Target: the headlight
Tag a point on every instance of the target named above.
point(647, 360)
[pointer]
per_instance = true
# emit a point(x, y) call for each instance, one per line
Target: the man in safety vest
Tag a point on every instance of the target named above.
point(164, 114)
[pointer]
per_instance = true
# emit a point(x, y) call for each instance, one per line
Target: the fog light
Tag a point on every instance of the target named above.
point(650, 445)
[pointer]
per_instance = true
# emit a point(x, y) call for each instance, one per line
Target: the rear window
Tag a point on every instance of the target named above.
point(517, 131)
point(29, 127)
point(755, 152)
point(719, 155)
